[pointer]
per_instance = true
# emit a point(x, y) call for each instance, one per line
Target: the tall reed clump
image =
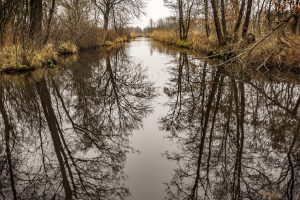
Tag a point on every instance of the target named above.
point(17, 56)
point(197, 41)
point(68, 47)
point(201, 43)
point(168, 37)
point(47, 55)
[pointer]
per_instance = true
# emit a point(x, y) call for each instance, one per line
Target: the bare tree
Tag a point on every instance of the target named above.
point(217, 22)
point(131, 7)
point(247, 18)
point(36, 18)
point(184, 10)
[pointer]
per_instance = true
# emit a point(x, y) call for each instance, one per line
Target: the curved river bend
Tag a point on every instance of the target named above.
point(148, 122)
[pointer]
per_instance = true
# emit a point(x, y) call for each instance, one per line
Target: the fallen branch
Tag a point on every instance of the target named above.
point(16, 69)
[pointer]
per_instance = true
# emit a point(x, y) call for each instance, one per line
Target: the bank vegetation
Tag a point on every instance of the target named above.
point(35, 33)
point(257, 33)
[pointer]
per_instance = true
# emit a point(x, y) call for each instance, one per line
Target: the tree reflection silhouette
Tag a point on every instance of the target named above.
point(66, 136)
point(238, 138)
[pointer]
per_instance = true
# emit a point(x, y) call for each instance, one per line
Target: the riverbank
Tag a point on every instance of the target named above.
point(269, 51)
point(261, 74)
point(17, 59)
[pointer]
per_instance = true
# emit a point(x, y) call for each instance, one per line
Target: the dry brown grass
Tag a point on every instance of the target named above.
point(168, 37)
point(134, 35)
point(201, 43)
point(277, 51)
point(67, 48)
point(271, 195)
point(44, 56)
point(17, 56)
point(197, 41)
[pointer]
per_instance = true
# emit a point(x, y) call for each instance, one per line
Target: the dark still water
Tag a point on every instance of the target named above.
point(147, 122)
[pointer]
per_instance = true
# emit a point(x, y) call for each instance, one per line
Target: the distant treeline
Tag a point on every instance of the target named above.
point(229, 20)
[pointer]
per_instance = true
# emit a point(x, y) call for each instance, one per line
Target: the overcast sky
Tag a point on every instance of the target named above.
point(155, 10)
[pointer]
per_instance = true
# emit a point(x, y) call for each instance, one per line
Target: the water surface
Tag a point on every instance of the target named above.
point(148, 122)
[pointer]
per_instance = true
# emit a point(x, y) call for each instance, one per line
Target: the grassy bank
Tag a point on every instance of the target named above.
point(197, 41)
point(21, 59)
point(116, 40)
point(268, 52)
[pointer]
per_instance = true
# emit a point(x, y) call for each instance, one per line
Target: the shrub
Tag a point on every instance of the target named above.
point(67, 48)
point(110, 35)
point(93, 37)
point(45, 56)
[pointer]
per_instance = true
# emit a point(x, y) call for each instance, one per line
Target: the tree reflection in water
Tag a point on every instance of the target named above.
point(66, 136)
point(238, 138)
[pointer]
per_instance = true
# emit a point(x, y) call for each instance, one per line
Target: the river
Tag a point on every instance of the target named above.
point(146, 122)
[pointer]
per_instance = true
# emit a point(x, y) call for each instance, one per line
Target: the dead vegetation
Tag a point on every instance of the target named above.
point(18, 59)
point(278, 48)
point(67, 48)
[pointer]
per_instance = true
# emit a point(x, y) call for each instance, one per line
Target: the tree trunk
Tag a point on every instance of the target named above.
point(269, 16)
point(114, 20)
point(105, 24)
point(247, 19)
point(180, 20)
point(239, 19)
point(51, 12)
point(217, 22)
point(7, 8)
point(223, 18)
point(259, 17)
point(207, 28)
point(294, 24)
point(106, 21)
point(36, 18)
point(187, 22)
